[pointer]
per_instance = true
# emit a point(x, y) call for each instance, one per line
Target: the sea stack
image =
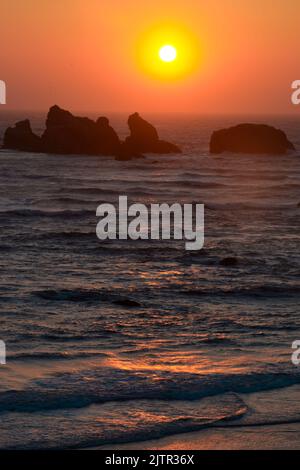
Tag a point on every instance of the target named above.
point(251, 139)
point(144, 137)
point(66, 134)
point(20, 137)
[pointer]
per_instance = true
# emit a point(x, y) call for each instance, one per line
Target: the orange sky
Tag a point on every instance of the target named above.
point(87, 55)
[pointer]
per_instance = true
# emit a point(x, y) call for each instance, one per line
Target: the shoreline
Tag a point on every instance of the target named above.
point(272, 422)
point(269, 437)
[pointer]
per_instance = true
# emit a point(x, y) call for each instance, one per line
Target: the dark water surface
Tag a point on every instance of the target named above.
point(83, 366)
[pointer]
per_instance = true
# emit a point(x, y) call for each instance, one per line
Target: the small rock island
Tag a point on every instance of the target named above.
point(251, 139)
point(67, 134)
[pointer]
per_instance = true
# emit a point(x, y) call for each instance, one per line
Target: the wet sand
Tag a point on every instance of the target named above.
point(272, 422)
point(279, 437)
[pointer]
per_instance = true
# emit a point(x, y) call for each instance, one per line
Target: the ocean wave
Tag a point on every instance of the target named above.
point(263, 290)
point(106, 384)
point(54, 356)
point(67, 200)
point(110, 423)
point(66, 214)
point(118, 297)
point(64, 235)
point(5, 248)
point(34, 213)
point(253, 206)
point(86, 295)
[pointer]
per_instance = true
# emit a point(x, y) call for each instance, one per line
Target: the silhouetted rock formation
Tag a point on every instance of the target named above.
point(229, 261)
point(127, 303)
point(68, 134)
point(108, 138)
point(250, 138)
point(21, 138)
point(144, 137)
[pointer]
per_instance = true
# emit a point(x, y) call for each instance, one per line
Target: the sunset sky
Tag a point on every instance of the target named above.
point(102, 55)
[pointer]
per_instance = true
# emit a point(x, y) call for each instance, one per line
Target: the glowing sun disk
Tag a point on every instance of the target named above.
point(167, 53)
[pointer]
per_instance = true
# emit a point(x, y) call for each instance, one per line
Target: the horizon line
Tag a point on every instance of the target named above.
point(190, 113)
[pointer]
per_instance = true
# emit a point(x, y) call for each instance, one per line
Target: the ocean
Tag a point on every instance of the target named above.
point(124, 341)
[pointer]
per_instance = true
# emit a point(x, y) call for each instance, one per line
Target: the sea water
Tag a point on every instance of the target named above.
point(121, 340)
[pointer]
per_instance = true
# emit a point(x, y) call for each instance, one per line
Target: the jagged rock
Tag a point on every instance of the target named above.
point(163, 146)
point(250, 138)
point(144, 138)
point(67, 134)
point(108, 141)
point(21, 137)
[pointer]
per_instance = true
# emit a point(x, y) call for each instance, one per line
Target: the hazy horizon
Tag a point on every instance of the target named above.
point(294, 113)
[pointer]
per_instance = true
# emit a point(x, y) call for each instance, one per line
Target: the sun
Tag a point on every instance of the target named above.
point(167, 53)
